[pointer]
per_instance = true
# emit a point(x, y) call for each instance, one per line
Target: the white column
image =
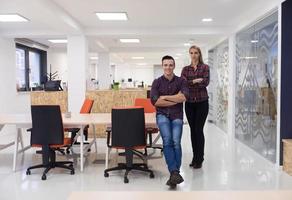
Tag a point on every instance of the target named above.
point(77, 55)
point(231, 87)
point(104, 71)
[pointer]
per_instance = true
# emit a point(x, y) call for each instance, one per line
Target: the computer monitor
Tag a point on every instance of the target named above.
point(53, 85)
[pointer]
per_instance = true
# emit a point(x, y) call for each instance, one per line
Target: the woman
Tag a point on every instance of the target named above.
point(197, 106)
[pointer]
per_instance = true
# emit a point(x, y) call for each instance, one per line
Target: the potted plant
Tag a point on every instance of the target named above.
point(116, 85)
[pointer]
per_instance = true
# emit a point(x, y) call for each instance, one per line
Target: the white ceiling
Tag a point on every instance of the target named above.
point(163, 26)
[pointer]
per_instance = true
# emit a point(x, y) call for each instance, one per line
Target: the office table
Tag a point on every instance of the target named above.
point(21, 121)
point(202, 195)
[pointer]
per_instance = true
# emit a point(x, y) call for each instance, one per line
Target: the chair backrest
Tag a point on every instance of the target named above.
point(47, 125)
point(86, 107)
point(146, 104)
point(128, 127)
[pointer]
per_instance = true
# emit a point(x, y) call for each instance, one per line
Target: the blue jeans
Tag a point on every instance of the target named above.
point(171, 132)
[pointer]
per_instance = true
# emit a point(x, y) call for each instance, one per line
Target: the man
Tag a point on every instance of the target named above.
point(168, 93)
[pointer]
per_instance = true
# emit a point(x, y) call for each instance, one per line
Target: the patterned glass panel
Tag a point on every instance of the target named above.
point(256, 86)
point(218, 61)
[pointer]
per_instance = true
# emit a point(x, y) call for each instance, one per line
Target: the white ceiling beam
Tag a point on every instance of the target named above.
point(145, 49)
point(32, 34)
point(200, 30)
point(63, 15)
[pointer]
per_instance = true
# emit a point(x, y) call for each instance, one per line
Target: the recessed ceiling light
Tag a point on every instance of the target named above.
point(58, 41)
point(112, 16)
point(178, 54)
point(207, 20)
point(129, 40)
point(254, 41)
point(187, 44)
point(94, 58)
point(137, 58)
point(12, 18)
point(176, 58)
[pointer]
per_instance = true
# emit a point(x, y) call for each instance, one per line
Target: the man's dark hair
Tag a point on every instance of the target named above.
point(167, 57)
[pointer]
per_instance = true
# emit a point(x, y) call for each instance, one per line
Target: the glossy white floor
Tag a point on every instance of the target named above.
point(228, 165)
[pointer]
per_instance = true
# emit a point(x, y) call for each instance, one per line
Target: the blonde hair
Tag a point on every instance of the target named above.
point(200, 52)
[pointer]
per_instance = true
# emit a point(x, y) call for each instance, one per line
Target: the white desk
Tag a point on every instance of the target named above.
point(202, 195)
point(22, 121)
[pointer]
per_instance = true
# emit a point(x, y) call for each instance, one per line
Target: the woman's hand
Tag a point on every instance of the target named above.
point(198, 80)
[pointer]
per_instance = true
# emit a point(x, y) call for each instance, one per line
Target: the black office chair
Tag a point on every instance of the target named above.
point(128, 133)
point(47, 133)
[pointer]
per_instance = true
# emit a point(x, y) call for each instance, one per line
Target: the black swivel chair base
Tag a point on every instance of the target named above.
point(153, 148)
point(52, 164)
point(123, 166)
point(129, 165)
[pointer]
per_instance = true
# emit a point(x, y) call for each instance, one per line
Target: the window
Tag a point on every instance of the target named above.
point(20, 68)
point(31, 68)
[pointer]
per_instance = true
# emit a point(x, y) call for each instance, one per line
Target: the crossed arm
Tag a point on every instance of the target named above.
point(170, 100)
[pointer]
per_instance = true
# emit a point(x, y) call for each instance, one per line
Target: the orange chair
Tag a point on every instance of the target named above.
point(86, 108)
point(146, 104)
point(149, 108)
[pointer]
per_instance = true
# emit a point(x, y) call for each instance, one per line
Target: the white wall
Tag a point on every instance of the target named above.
point(10, 100)
point(140, 73)
point(57, 58)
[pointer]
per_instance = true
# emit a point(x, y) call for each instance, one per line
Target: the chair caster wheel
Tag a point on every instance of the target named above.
point(67, 152)
point(27, 172)
point(71, 165)
point(126, 180)
point(88, 150)
point(44, 177)
point(106, 174)
point(151, 175)
point(72, 172)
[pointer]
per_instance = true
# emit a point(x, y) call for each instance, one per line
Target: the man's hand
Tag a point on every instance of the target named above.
point(163, 97)
point(177, 98)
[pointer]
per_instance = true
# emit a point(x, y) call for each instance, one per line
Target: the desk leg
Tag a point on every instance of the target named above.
point(21, 139)
point(94, 136)
point(16, 141)
point(81, 149)
point(107, 153)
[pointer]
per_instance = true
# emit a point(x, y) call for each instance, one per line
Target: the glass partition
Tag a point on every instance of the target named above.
point(256, 86)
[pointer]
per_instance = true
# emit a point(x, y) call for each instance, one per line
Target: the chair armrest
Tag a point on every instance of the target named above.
point(151, 130)
point(29, 130)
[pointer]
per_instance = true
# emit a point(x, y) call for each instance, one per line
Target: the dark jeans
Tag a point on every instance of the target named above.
point(197, 114)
